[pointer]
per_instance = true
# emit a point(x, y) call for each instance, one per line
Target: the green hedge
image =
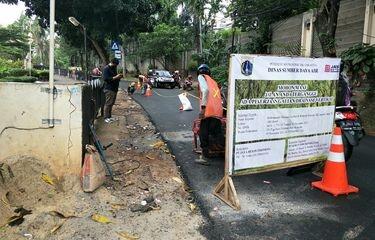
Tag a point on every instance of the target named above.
point(42, 75)
point(220, 74)
point(25, 79)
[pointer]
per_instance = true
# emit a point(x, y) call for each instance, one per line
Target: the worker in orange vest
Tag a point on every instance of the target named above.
point(210, 133)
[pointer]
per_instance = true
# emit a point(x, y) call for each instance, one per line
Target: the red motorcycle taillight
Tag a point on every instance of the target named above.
point(350, 115)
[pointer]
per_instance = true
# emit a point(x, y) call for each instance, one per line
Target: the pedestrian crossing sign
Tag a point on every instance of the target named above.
point(115, 46)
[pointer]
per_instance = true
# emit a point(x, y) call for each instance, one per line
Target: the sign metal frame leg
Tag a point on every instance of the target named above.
point(226, 192)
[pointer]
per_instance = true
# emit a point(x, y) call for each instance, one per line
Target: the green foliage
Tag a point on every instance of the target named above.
point(103, 19)
point(359, 59)
point(13, 43)
point(64, 53)
point(220, 73)
point(17, 72)
point(43, 75)
point(25, 79)
point(193, 65)
point(215, 50)
point(165, 42)
point(6, 64)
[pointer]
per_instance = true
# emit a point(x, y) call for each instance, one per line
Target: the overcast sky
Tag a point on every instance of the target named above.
point(10, 13)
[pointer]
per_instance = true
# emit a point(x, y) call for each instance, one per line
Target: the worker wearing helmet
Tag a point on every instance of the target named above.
point(211, 111)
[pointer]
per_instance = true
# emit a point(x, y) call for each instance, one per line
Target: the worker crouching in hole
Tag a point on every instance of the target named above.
point(211, 134)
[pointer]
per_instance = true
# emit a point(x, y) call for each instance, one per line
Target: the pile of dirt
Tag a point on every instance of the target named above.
point(22, 184)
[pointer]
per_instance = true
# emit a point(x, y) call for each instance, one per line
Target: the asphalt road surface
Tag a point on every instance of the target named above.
point(273, 205)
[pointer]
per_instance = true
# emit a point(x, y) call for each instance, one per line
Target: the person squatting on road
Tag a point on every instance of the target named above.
point(211, 134)
point(111, 83)
point(131, 88)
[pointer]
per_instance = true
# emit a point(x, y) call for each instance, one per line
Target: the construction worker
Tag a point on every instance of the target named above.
point(144, 83)
point(210, 133)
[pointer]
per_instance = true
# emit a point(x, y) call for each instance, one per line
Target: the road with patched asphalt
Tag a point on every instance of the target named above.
point(273, 205)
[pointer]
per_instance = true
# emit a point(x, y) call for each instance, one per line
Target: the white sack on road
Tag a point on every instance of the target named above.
point(186, 105)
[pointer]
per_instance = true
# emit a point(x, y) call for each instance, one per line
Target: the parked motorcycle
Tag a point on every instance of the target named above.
point(348, 119)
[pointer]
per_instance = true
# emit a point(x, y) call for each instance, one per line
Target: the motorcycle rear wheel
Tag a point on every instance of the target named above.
point(348, 148)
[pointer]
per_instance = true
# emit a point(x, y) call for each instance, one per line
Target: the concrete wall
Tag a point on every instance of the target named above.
point(25, 106)
point(286, 34)
point(350, 24)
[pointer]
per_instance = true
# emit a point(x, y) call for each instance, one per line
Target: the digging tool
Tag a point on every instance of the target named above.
point(101, 150)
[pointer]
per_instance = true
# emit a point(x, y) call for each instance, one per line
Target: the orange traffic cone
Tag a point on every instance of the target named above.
point(335, 180)
point(148, 91)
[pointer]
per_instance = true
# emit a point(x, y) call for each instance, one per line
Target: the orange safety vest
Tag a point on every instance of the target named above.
point(214, 107)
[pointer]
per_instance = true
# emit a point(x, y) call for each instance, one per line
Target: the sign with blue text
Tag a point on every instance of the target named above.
point(118, 54)
point(280, 111)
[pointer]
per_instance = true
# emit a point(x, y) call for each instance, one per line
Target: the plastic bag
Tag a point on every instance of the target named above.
point(93, 173)
point(186, 105)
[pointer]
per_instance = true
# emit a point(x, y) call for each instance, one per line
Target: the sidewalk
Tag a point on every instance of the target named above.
point(143, 168)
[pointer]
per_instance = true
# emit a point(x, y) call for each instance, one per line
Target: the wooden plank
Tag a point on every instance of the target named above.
point(230, 195)
point(274, 167)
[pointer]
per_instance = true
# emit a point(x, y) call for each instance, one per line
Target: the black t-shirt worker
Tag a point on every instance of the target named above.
point(111, 83)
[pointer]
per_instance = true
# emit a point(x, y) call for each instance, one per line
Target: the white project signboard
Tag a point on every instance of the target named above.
point(280, 111)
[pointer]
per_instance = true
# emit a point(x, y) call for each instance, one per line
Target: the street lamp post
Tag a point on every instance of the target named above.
point(76, 23)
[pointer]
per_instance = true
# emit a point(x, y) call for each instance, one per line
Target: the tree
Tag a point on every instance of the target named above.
point(13, 43)
point(164, 44)
point(104, 20)
point(257, 15)
point(36, 35)
point(9, 1)
point(326, 23)
point(197, 9)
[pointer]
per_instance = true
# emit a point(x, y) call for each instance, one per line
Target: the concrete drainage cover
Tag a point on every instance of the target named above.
point(182, 136)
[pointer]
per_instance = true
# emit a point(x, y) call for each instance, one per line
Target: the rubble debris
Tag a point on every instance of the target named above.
point(47, 179)
point(57, 227)
point(61, 214)
point(18, 219)
point(100, 218)
point(118, 206)
point(28, 235)
point(127, 236)
point(143, 185)
point(193, 207)
point(177, 179)
point(158, 145)
point(147, 204)
point(149, 157)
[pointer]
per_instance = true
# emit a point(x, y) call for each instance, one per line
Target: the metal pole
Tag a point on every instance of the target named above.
point(86, 62)
point(123, 59)
point(30, 58)
point(51, 60)
point(200, 36)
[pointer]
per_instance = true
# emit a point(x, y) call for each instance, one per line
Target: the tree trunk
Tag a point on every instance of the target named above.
point(326, 23)
point(100, 51)
point(196, 32)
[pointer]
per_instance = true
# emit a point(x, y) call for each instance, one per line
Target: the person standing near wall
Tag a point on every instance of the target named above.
point(111, 84)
